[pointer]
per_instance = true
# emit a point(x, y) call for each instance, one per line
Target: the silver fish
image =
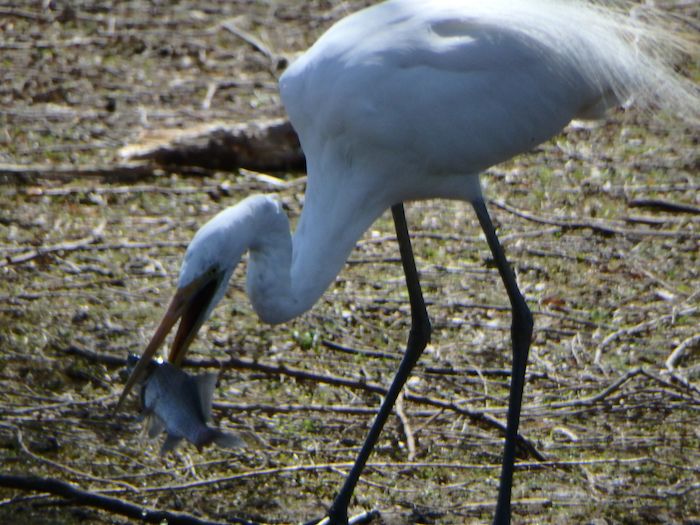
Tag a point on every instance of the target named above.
point(180, 404)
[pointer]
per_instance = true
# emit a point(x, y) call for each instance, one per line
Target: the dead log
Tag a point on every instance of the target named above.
point(34, 173)
point(269, 146)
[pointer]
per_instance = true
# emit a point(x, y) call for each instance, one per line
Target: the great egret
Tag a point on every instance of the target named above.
point(412, 99)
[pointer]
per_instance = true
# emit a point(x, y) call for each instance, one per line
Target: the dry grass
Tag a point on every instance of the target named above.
point(91, 263)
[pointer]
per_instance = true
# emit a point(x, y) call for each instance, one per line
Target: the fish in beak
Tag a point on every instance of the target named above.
point(179, 404)
point(190, 305)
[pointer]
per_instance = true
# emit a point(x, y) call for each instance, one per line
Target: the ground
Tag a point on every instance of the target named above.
point(591, 221)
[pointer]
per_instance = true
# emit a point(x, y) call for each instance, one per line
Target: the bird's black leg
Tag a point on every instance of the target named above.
point(419, 336)
point(521, 334)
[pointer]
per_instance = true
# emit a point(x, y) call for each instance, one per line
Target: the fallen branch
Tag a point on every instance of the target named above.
point(678, 352)
point(664, 205)
point(52, 248)
point(598, 226)
point(79, 496)
point(406, 425)
point(337, 468)
point(641, 327)
point(277, 62)
point(356, 351)
point(404, 466)
point(290, 408)
point(89, 243)
point(270, 145)
point(591, 400)
point(30, 174)
point(66, 468)
point(683, 388)
point(478, 417)
point(21, 13)
point(40, 191)
point(365, 517)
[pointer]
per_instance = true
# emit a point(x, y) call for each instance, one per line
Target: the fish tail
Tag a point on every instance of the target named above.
point(171, 442)
point(209, 435)
point(227, 440)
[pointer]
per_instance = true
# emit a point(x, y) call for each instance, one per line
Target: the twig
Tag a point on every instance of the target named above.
point(365, 517)
point(477, 417)
point(117, 506)
point(499, 308)
point(339, 468)
point(610, 389)
point(406, 425)
point(52, 248)
point(644, 325)
point(551, 254)
point(683, 389)
point(42, 408)
point(638, 266)
point(211, 91)
point(275, 60)
point(614, 386)
point(270, 180)
point(106, 359)
point(664, 205)
point(357, 351)
point(20, 13)
point(488, 506)
point(88, 244)
point(54, 44)
point(277, 409)
point(65, 468)
point(474, 415)
point(331, 467)
point(693, 487)
point(35, 191)
point(606, 228)
point(679, 351)
point(29, 174)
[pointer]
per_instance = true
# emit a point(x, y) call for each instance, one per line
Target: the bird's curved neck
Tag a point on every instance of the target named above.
point(288, 274)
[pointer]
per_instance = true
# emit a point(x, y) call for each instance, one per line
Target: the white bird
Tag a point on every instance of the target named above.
point(412, 99)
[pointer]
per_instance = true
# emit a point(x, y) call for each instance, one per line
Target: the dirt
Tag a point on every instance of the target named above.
point(89, 263)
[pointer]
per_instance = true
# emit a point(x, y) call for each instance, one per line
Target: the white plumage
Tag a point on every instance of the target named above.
point(412, 99)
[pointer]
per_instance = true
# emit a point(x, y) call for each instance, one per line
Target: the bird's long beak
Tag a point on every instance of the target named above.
point(190, 304)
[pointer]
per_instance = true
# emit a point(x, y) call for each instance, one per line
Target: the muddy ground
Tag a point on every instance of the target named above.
point(601, 225)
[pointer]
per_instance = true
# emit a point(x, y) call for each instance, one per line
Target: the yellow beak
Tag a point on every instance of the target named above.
point(189, 304)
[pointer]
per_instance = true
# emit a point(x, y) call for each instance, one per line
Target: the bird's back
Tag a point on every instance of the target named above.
point(456, 86)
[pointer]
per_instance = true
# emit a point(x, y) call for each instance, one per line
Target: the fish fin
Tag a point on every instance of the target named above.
point(228, 440)
point(206, 383)
point(154, 425)
point(170, 443)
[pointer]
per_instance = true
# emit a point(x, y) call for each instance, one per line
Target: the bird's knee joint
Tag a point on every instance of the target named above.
point(421, 330)
point(522, 318)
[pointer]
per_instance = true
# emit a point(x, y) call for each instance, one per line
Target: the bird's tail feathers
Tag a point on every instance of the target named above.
point(631, 53)
point(636, 51)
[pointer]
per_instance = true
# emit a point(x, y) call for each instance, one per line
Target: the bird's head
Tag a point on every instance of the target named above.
point(209, 261)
